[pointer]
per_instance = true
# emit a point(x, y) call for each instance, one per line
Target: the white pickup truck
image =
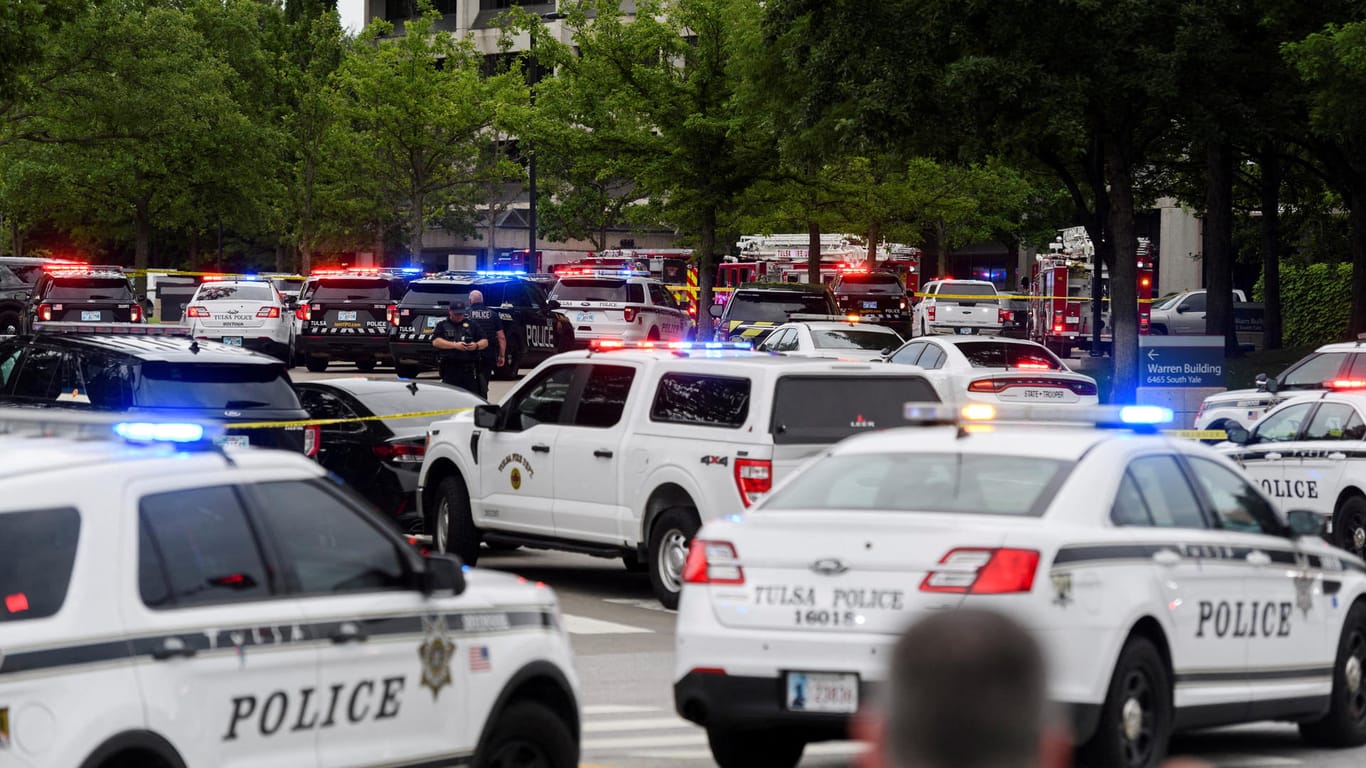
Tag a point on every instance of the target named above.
point(624, 454)
point(959, 306)
point(1183, 314)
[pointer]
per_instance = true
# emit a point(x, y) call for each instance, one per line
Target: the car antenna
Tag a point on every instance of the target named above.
point(194, 346)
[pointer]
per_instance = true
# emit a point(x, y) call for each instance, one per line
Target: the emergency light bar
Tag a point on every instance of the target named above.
point(605, 345)
point(231, 278)
point(850, 318)
point(116, 329)
point(1135, 417)
point(56, 422)
point(347, 272)
point(500, 272)
point(603, 272)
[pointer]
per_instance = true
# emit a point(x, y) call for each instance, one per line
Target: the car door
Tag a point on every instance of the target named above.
point(1195, 575)
point(344, 447)
point(1314, 467)
point(396, 690)
point(1284, 614)
point(516, 461)
point(1265, 458)
point(233, 669)
point(933, 360)
point(1189, 317)
point(589, 461)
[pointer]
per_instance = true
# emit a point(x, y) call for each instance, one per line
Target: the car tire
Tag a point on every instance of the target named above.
point(754, 749)
point(11, 323)
point(365, 366)
point(406, 370)
point(315, 364)
point(282, 352)
point(1345, 724)
point(670, 536)
point(1349, 525)
point(453, 528)
point(1136, 718)
point(526, 734)
point(1157, 330)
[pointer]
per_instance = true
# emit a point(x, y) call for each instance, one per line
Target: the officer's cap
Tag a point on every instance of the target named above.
point(457, 305)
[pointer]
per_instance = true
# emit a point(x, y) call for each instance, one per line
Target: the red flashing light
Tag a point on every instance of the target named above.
point(268, 312)
point(753, 478)
point(349, 271)
point(712, 562)
point(391, 314)
point(16, 603)
point(197, 311)
point(993, 572)
point(1347, 384)
point(1057, 327)
point(851, 317)
point(1145, 282)
point(607, 344)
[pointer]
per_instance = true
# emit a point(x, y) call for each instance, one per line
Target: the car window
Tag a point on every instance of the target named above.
point(604, 396)
point(1193, 303)
point(41, 374)
point(1237, 506)
point(598, 289)
point(197, 547)
point(37, 550)
point(10, 352)
point(327, 543)
point(1167, 495)
point(1284, 424)
point(776, 307)
point(973, 290)
point(932, 358)
point(362, 289)
point(515, 294)
point(658, 296)
point(1129, 507)
point(909, 354)
point(1002, 354)
point(89, 288)
point(541, 401)
point(827, 409)
point(1313, 371)
point(717, 401)
point(106, 381)
point(790, 341)
point(235, 292)
point(1332, 421)
point(215, 386)
point(326, 405)
point(420, 398)
point(850, 338)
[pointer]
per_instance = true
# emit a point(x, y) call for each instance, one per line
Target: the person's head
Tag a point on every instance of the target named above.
point(456, 309)
point(967, 689)
point(476, 297)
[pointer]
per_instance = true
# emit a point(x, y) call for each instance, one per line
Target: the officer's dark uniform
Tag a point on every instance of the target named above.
point(490, 323)
point(460, 367)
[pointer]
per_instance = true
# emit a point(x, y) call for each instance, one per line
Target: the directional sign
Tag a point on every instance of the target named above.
point(1181, 361)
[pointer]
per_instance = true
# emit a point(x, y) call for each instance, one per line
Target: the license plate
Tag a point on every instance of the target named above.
point(870, 305)
point(584, 317)
point(1039, 395)
point(433, 322)
point(233, 341)
point(963, 331)
point(88, 316)
point(233, 441)
point(346, 314)
point(822, 692)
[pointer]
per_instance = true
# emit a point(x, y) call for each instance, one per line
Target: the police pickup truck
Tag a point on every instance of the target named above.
point(625, 450)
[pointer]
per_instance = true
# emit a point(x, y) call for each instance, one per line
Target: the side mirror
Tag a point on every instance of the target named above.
point(886, 352)
point(486, 416)
point(183, 305)
point(1237, 434)
point(443, 572)
point(716, 310)
point(1181, 310)
point(552, 304)
point(1273, 385)
point(1304, 522)
point(1261, 381)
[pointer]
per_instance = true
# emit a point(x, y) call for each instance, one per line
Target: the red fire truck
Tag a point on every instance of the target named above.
point(1060, 294)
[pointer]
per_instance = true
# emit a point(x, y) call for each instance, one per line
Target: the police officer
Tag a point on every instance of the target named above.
point(461, 342)
point(492, 326)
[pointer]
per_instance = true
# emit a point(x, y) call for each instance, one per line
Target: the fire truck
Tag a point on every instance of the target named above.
point(1060, 297)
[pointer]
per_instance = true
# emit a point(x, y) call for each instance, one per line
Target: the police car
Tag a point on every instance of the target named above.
point(344, 315)
point(1167, 590)
point(1308, 453)
point(996, 370)
point(80, 293)
point(619, 304)
point(242, 312)
point(185, 606)
point(1341, 362)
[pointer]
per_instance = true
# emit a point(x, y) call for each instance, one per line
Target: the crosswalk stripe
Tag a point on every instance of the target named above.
point(583, 625)
point(639, 723)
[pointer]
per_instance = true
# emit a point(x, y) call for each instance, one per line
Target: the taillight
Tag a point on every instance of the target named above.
point(754, 478)
point(929, 313)
point(983, 572)
point(992, 386)
point(1003, 316)
point(712, 562)
point(313, 439)
point(903, 303)
point(268, 312)
point(195, 311)
point(303, 312)
point(44, 312)
point(135, 313)
point(402, 453)
point(392, 315)
point(629, 314)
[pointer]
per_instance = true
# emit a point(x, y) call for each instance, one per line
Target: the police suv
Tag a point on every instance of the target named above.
point(344, 315)
point(1166, 589)
point(80, 293)
point(183, 605)
point(1343, 363)
point(619, 304)
point(625, 453)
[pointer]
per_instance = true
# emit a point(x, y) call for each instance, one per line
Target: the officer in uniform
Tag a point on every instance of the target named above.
point(492, 326)
point(462, 343)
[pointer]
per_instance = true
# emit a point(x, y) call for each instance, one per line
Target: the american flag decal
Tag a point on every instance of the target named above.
point(479, 658)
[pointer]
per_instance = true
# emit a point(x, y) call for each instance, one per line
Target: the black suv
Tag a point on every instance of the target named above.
point(755, 309)
point(345, 315)
point(533, 329)
point(130, 369)
point(83, 294)
point(876, 297)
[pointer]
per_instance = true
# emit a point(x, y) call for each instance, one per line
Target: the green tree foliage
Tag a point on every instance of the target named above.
point(1318, 302)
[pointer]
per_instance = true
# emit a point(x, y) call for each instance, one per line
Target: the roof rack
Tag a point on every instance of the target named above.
point(116, 329)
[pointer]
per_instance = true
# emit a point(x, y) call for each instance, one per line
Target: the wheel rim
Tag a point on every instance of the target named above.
point(1352, 670)
point(1137, 722)
point(519, 753)
point(443, 525)
point(673, 552)
point(1353, 531)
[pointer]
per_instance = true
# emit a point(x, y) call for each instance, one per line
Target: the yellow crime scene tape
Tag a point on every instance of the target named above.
point(1197, 434)
point(326, 422)
point(1014, 297)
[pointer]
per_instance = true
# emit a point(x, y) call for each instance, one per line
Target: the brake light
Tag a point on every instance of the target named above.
point(303, 312)
point(629, 314)
point(402, 453)
point(903, 303)
point(135, 313)
point(196, 311)
point(1003, 316)
point(391, 314)
point(712, 562)
point(268, 312)
point(929, 313)
point(976, 571)
point(313, 439)
point(754, 478)
point(44, 312)
point(1029, 365)
point(992, 386)
point(1057, 327)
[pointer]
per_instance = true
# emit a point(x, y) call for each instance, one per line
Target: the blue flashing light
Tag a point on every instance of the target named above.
point(411, 270)
point(501, 272)
point(1145, 414)
point(464, 569)
point(733, 518)
point(159, 432)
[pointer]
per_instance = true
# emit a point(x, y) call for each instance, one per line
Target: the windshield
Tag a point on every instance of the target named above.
point(1168, 302)
point(587, 289)
point(855, 339)
point(214, 387)
point(967, 289)
point(999, 354)
point(871, 282)
point(775, 307)
point(431, 294)
point(924, 482)
point(351, 289)
point(78, 288)
point(427, 398)
point(235, 292)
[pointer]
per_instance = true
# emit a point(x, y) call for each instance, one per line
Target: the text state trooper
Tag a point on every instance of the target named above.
point(462, 343)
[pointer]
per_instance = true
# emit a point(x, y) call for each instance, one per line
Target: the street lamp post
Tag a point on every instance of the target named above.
point(533, 76)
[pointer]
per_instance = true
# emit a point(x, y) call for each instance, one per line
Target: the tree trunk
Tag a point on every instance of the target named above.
point(874, 235)
point(416, 223)
point(1356, 216)
point(305, 257)
point(1270, 162)
point(1123, 274)
point(142, 229)
point(813, 252)
point(706, 275)
point(929, 235)
point(1218, 244)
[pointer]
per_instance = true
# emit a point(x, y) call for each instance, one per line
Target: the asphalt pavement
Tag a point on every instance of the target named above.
point(623, 646)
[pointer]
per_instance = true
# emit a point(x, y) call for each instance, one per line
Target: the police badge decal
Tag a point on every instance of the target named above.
point(435, 652)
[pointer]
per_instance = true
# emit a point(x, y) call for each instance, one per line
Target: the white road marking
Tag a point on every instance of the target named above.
point(1251, 761)
point(699, 738)
point(582, 625)
point(635, 724)
point(616, 709)
point(649, 605)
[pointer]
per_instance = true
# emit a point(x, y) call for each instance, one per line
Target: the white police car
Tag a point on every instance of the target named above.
point(1308, 453)
point(1168, 592)
point(169, 606)
point(242, 312)
point(627, 305)
point(1331, 366)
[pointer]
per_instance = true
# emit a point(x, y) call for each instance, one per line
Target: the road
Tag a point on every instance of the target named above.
point(623, 645)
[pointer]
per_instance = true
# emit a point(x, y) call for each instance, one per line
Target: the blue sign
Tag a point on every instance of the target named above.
point(1180, 361)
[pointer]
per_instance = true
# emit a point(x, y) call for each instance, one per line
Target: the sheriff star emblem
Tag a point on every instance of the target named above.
point(435, 652)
